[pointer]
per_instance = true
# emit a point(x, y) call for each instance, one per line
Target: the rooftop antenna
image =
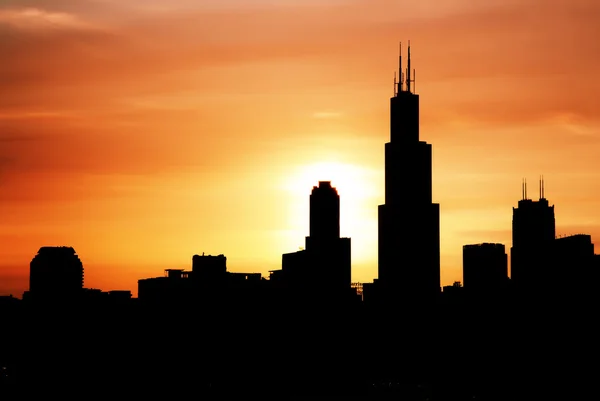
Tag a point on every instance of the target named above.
point(408, 70)
point(525, 188)
point(543, 195)
point(395, 93)
point(413, 80)
point(409, 80)
point(540, 185)
point(400, 77)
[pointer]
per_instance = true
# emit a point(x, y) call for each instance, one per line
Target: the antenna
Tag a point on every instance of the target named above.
point(414, 77)
point(410, 80)
point(543, 195)
point(400, 85)
point(408, 70)
point(540, 184)
point(395, 83)
point(525, 188)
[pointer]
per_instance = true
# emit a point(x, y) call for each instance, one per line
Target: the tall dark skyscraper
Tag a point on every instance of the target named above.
point(409, 228)
point(330, 254)
point(533, 234)
point(324, 212)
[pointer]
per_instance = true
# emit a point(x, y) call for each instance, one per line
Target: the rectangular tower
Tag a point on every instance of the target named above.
point(409, 231)
point(329, 253)
point(533, 234)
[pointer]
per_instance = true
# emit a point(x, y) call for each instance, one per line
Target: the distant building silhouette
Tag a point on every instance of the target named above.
point(209, 268)
point(485, 268)
point(208, 284)
point(533, 234)
point(572, 265)
point(99, 298)
point(325, 262)
point(55, 273)
point(453, 290)
point(409, 235)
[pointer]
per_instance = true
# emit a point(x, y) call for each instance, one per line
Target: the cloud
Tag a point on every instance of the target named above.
point(475, 43)
point(38, 19)
point(33, 115)
point(326, 114)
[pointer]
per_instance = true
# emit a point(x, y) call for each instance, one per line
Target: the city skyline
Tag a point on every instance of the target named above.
point(92, 194)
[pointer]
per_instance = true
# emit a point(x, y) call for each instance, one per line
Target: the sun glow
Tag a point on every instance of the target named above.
point(359, 195)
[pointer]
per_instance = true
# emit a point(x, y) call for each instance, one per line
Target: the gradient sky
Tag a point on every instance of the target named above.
point(144, 133)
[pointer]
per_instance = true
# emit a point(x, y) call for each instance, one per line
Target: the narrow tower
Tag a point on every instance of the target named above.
point(409, 235)
point(329, 254)
point(324, 212)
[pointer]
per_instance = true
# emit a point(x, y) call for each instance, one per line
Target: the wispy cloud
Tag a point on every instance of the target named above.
point(39, 19)
point(327, 114)
point(34, 115)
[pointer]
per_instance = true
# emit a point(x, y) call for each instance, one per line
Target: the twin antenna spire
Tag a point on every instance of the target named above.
point(524, 188)
point(403, 82)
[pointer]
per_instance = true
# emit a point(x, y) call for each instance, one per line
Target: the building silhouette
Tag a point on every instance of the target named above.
point(453, 294)
point(330, 254)
point(208, 285)
point(408, 233)
point(571, 270)
point(55, 272)
point(209, 268)
point(533, 234)
point(325, 265)
point(485, 268)
point(324, 213)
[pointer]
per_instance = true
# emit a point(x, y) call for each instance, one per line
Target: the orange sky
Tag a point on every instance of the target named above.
point(142, 134)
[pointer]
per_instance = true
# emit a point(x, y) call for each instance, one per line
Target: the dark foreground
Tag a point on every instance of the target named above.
point(484, 354)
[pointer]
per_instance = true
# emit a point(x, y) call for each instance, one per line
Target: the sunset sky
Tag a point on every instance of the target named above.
point(142, 132)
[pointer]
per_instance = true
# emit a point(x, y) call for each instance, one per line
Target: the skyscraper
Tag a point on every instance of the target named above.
point(325, 262)
point(324, 212)
point(329, 253)
point(533, 234)
point(409, 234)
